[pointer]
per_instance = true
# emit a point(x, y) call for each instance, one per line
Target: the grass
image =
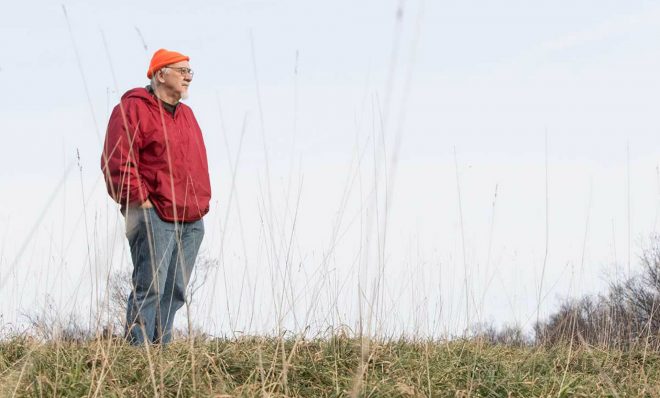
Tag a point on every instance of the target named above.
point(253, 366)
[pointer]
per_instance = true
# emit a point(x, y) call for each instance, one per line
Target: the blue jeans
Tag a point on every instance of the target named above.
point(163, 256)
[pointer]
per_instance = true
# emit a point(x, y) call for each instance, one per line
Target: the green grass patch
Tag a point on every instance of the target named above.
point(334, 367)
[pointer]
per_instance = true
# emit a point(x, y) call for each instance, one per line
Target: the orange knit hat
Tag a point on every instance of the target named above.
point(162, 58)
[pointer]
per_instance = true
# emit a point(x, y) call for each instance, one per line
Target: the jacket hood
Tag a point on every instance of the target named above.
point(141, 93)
point(146, 95)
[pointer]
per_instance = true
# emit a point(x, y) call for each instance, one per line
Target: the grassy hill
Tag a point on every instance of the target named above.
point(331, 367)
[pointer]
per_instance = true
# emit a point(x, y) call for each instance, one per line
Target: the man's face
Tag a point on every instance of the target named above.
point(176, 79)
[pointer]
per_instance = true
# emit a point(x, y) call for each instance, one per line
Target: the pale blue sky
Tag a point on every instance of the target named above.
point(487, 80)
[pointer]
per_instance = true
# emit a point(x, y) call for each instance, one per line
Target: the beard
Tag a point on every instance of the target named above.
point(185, 95)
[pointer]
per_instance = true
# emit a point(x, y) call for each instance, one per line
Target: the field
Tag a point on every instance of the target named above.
point(334, 366)
point(409, 198)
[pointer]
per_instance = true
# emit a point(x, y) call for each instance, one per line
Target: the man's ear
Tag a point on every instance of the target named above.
point(160, 76)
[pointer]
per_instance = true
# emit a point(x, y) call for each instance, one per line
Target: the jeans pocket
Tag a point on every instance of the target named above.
point(136, 219)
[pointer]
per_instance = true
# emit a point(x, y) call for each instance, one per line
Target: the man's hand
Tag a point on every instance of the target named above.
point(146, 205)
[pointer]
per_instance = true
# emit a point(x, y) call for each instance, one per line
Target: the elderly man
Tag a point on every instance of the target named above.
point(155, 167)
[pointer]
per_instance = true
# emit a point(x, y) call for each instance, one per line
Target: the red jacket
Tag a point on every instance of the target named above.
point(150, 153)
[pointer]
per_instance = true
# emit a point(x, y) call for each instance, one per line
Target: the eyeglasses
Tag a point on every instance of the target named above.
point(183, 71)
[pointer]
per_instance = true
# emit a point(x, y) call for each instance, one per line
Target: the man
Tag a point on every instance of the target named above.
point(155, 166)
